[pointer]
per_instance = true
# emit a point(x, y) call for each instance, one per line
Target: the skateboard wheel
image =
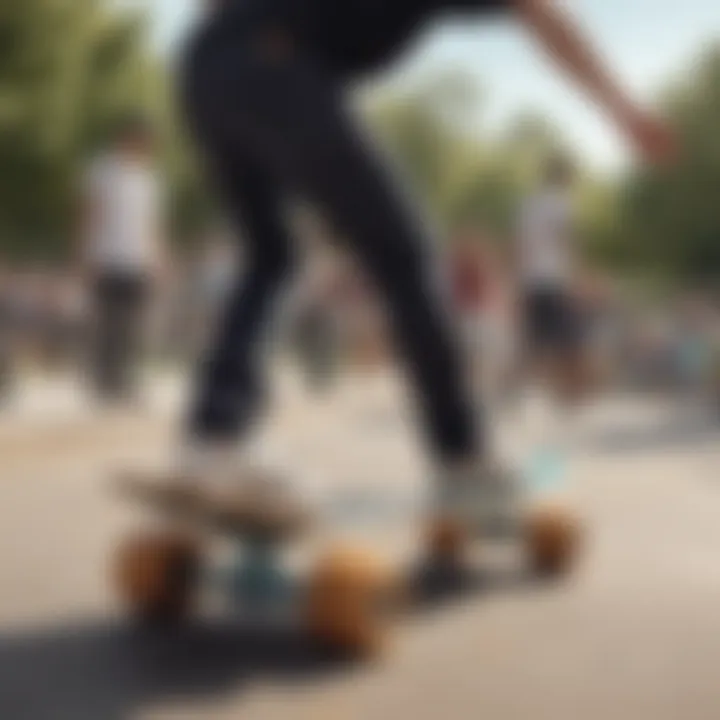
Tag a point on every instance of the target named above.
point(350, 596)
point(157, 576)
point(552, 537)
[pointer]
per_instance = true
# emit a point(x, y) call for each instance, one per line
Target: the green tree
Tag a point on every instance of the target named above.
point(669, 217)
point(68, 70)
point(466, 176)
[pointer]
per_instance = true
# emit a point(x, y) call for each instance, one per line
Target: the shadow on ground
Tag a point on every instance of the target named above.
point(101, 671)
point(104, 670)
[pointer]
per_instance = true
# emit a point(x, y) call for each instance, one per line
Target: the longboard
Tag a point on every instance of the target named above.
point(344, 600)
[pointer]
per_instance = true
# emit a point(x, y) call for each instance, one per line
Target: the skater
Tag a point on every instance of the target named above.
point(263, 87)
point(121, 253)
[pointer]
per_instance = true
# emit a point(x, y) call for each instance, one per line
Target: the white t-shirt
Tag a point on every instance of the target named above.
point(544, 239)
point(125, 215)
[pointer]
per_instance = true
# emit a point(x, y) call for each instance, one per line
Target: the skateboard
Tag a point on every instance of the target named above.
point(344, 600)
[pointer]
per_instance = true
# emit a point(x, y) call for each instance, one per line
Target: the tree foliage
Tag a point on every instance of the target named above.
point(70, 68)
point(669, 217)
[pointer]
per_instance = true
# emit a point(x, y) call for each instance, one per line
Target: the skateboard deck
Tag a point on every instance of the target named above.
point(239, 515)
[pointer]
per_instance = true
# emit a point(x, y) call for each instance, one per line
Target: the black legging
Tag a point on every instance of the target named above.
point(268, 119)
point(120, 303)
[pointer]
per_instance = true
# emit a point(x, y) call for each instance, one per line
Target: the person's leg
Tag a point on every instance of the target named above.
point(230, 388)
point(283, 115)
point(304, 135)
point(118, 340)
point(545, 336)
point(131, 332)
point(569, 366)
point(559, 347)
point(104, 333)
point(523, 371)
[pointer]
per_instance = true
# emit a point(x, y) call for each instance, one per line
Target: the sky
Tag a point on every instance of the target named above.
point(645, 41)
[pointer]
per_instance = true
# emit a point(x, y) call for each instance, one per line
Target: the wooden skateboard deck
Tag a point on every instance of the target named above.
point(239, 515)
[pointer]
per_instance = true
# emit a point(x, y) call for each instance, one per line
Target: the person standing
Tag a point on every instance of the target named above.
point(552, 347)
point(263, 89)
point(122, 252)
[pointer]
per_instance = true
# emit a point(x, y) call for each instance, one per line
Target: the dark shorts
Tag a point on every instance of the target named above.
point(552, 321)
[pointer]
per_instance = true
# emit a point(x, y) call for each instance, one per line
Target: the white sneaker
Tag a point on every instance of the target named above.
point(224, 473)
point(484, 497)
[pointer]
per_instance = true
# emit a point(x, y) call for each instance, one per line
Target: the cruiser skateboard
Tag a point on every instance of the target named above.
point(344, 598)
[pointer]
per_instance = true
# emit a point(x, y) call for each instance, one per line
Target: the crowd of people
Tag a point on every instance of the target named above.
point(523, 305)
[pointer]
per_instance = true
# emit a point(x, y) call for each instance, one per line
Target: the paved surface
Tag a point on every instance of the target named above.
point(634, 635)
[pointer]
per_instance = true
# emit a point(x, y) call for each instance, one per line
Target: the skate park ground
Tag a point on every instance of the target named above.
point(633, 634)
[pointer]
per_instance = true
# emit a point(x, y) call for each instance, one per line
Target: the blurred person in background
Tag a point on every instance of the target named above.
point(469, 280)
point(693, 349)
point(550, 283)
point(8, 326)
point(481, 300)
point(122, 252)
point(602, 309)
point(316, 316)
point(211, 273)
point(29, 296)
point(70, 320)
point(216, 271)
point(263, 90)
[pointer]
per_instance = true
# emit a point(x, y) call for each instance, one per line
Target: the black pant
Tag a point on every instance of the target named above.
point(552, 321)
point(120, 300)
point(270, 120)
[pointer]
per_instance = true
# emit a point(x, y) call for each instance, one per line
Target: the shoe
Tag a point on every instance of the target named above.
point(482, 498)
point(237, 492)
